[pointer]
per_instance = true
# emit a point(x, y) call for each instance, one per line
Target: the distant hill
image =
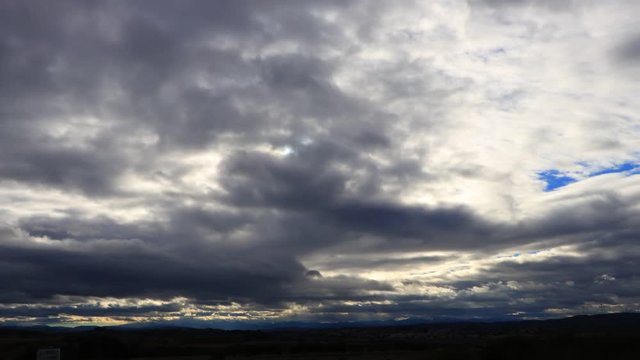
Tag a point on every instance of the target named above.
point(609, 336)
point(608, 321)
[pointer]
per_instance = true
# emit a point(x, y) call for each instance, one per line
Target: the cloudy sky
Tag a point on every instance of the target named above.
point(229, 161)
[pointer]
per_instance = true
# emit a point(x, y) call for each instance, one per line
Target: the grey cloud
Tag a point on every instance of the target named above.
point(546, 4)
point(135, 71)
point(77, 228)
point(304, 86)
point(44, 312)
point(135, 267)
point(383, 261)
point(311, 183)
point(138, 71)
point(256, 179)
point(90, 171)
point(597, 276)
point(629, 51)
point(132, 268)
point(595, 215)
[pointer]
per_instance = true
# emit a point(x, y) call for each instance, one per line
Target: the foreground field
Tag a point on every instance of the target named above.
point(614, 336)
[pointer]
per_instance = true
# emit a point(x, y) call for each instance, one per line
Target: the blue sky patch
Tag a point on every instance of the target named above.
point(555, 179)
point(631, 168)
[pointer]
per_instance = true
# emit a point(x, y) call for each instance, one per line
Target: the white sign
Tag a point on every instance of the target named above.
point(49, 354)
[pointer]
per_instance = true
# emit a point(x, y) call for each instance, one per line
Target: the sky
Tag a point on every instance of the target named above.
point(227, 162)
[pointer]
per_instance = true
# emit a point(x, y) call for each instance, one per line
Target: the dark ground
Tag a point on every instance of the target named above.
point(614, 336)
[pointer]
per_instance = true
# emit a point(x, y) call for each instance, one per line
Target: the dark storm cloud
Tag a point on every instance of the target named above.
point(576, 285)
point(404, 221)
point(137, 71)
point(45, 78)
point(595, 216)
point(254, 179)
point(303, 85)
point(133, 69)
point(133, 268)
point(78, 228)
point(312, 184)
point(561, 282)
point(90, 171)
